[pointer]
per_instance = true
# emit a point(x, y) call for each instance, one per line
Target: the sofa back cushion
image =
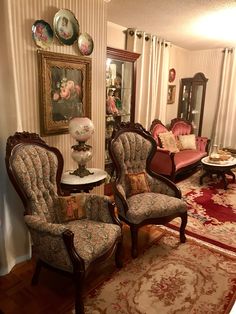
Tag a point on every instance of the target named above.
point(181, 127)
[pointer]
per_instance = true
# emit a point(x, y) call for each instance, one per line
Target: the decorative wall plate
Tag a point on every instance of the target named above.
point(66, 27)
point(85, 44)
point(42, 34)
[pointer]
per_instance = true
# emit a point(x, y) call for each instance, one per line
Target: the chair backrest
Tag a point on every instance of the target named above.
point(34, 169)
point(131, 149)
point(180, 126)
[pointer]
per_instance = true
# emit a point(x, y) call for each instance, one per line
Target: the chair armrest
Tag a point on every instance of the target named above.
point(100, 208)
point(161, 184)
point(120, 198)
point(48, 242)
point(39, 225)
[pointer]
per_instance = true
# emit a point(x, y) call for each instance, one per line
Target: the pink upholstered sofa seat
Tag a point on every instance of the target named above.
point(187, 157)
point(171, 164)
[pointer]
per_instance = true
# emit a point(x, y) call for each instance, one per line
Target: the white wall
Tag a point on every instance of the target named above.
point(20, 99)
point(178, 58)
point(116, 37)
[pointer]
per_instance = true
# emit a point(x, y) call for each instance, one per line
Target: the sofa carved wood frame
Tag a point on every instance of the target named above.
point(16, 149)
point(127, 160)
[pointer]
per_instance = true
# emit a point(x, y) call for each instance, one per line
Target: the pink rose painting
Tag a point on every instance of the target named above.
point(67, 93)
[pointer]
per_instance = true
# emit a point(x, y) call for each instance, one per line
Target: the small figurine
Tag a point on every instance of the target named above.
point(110, 103)
point(117, 81)
point(117, 100)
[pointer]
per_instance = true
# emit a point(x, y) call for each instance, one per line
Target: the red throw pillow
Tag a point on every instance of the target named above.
point(138, 183)
point(70, 208)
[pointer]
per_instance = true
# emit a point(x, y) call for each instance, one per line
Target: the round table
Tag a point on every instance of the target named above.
point(71, 183)
point(220, 169)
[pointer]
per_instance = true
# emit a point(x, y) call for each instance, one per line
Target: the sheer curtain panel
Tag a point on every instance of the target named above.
point(152, 75)
point(224, 130)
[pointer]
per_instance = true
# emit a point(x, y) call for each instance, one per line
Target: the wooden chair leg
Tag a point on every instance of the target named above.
point(118, 255)
point(37, 270)
point(184, 219)
point(79, 285)
point(134, 240)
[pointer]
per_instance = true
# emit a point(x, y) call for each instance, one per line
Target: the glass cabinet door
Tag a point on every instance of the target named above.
point(192, 99)
point(120, 93)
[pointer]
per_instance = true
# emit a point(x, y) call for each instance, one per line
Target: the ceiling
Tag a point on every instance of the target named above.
point(190, 24)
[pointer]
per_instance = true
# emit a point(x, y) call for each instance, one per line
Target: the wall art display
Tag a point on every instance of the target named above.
point(65, 90)
point(171, 94)
point(66, 27)
point(85, 44)
point(172, 75)
point(42, 34)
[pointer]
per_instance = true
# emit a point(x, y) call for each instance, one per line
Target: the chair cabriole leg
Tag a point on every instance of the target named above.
point(184, 219)
point(134, 240)
point(37, 270)
point(79, 285)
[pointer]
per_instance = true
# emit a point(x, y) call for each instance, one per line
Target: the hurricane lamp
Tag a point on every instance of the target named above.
point(81, 129)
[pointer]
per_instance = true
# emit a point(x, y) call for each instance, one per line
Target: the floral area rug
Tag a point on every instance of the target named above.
point(211, 211)
point(168, 278)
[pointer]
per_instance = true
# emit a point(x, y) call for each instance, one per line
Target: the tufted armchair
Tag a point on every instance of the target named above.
point(72, 243)
point(142, 196)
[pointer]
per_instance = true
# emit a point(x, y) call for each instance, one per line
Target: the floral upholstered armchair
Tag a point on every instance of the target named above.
point(142, 196)
point(69, 233)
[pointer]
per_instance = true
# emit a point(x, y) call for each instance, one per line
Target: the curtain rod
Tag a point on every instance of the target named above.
point(230, 50)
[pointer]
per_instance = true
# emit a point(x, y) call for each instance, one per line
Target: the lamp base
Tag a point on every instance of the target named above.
point(81, 172)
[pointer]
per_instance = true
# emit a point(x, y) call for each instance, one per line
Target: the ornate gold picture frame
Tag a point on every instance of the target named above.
point(65, 90)
point(171, 94)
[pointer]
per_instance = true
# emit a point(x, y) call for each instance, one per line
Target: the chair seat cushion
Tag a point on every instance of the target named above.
point(92, 239)
point(153, 205)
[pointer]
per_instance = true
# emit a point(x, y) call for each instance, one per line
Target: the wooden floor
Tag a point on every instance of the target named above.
point(54, 293)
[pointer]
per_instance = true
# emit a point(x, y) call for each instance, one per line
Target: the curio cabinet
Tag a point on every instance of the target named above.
point(120, 94)
point(192, 100)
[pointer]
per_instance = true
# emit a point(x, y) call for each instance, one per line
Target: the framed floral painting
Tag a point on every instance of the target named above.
point(65, 90)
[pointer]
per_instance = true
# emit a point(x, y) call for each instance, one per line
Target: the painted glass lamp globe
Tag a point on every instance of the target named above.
point(81, 129)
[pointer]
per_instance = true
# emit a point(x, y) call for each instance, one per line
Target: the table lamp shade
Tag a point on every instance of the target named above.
point(81, 128)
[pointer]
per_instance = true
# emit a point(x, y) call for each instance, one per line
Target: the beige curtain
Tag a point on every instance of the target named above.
point(224, 130)
point(152, 75)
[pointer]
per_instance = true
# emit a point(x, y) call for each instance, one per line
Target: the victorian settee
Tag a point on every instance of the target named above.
point(179, 150)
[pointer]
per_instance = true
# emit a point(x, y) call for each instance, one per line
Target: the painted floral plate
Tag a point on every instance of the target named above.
point(42, 34)
point(85, 44)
